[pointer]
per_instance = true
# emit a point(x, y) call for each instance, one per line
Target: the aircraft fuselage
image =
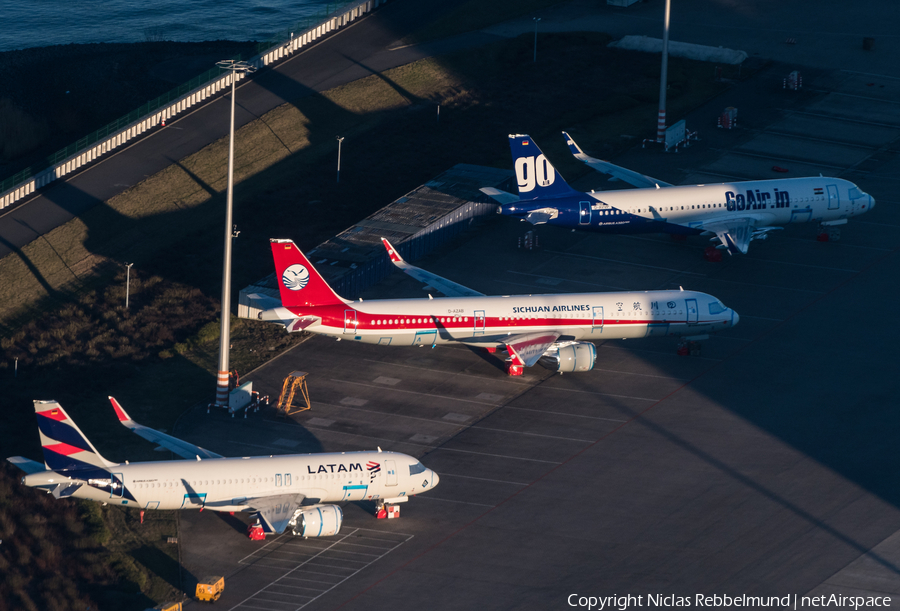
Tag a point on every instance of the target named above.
point(224, 484)
point(485, 321)
point(679, 209)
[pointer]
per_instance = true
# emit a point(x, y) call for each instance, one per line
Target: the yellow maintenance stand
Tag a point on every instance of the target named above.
point(210, 588)
point(294, 382)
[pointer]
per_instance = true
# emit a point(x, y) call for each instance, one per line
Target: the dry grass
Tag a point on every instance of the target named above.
point(68, 554)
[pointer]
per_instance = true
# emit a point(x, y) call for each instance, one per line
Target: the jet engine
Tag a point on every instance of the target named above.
point(320, 521)
point(572, 356)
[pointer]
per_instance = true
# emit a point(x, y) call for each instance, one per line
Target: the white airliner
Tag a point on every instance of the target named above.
point(293, 490)
point(735, 213)
point(528, 326)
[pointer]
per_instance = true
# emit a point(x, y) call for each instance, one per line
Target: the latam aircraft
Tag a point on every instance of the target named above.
point(560, 327)
point(735, 213)
point(294, 490)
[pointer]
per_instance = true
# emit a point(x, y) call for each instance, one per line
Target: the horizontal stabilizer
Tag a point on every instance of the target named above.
point(65, 490)
point(499, 196)
point(604, 167)
point(541, 216)
point(26, 465)
point(179, 447)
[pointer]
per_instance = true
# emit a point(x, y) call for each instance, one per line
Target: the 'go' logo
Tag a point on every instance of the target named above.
point(295, 277)
point(531, 172)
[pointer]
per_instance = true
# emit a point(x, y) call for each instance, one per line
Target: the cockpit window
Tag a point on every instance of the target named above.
point(716, 307)
point(854, 193)
point(416, 468)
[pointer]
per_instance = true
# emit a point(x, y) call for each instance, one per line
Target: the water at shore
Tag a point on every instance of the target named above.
point(40, 23)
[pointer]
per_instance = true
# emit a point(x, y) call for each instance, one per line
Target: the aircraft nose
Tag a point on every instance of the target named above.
point(871, 202)
point(435, 479)
point(734, 318)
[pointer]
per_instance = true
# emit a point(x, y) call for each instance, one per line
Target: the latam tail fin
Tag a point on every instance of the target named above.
point(298, 281)
point(65, 446)
point(536, 176)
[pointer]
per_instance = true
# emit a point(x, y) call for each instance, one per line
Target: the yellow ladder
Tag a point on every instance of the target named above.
point(295, 381)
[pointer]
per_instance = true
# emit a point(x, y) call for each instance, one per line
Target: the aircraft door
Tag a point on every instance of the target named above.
point(834, 200)
point(390, 467)
point(597, 322)
point(384, 341)
point(693, 312)
point(349, 321)
point(584, 213)
point(479, 322)
point(354, 492)
point(152, 505)
point(801, 216)
point(117, 487)
point(425, 338)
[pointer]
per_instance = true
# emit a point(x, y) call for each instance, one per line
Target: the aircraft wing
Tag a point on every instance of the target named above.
point(734, 234)
point(528, 348)
point(182, 448)
point(604, 167)
point(499, 196)
point(274, 512)
point(447, 287)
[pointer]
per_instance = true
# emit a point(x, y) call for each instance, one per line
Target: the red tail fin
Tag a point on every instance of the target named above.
point(298, 281)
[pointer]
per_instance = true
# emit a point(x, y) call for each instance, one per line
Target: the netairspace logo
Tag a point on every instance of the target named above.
point(791, 601)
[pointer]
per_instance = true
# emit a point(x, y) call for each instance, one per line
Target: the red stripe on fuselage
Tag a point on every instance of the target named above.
point(335, 317)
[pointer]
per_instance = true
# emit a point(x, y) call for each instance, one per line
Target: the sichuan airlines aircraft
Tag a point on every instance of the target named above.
point(735, 213)
point(295, 490)
point(528, 326)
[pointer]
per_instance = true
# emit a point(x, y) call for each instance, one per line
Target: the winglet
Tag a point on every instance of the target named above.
point(392, 252)
point(573, 147)
point(120, 413)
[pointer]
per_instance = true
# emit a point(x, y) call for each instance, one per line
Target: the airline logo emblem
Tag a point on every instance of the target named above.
point(295, 277)
point(373, 468)
point(531, 172)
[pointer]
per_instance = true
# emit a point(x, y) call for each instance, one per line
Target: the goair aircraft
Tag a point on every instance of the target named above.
point(560, 327)
point(734, 213)
point(294, 490)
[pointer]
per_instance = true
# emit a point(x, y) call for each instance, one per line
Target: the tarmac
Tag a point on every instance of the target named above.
point(766, 466)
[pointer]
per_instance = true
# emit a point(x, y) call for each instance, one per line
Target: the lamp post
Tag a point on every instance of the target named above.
point(234, 67)
point(339, 139)
point(127, 282)
point(661, 119)
point(536, 19)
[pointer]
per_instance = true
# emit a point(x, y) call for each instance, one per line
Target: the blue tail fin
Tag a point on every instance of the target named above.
point(537, 178)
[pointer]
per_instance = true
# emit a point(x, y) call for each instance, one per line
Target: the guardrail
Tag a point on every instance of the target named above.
point(166, 106)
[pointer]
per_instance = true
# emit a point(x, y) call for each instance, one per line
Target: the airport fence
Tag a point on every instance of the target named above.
point(331, 17)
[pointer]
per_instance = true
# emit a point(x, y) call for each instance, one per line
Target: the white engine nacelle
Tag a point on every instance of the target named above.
point(321, 521)
point(577, 356)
